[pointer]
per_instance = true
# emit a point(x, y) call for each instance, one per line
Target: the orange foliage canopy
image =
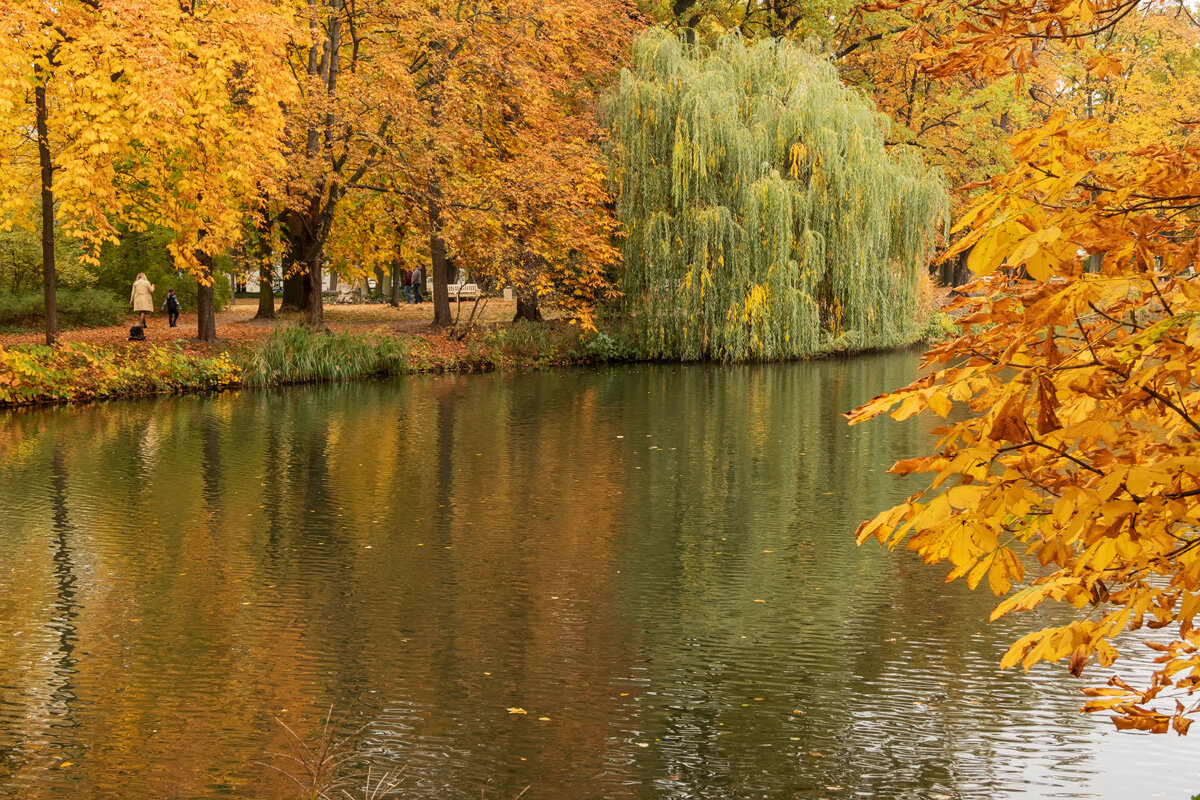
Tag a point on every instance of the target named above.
point(472, 127)
point(1069, 469)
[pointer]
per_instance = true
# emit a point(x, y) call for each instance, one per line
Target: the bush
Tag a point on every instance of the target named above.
point(81, 308)
point(604, 347)
point(146, 251)
point(76, 371)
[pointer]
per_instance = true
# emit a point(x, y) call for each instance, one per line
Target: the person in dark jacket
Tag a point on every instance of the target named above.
point(171, 306)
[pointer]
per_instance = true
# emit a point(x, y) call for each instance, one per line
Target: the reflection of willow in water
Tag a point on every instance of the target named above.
point(750, 508)
point(426, 554)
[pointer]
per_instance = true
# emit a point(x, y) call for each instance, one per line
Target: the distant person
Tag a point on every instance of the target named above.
point(142, 298)
point(418, 280)
point(406, 283)
point(171, 306)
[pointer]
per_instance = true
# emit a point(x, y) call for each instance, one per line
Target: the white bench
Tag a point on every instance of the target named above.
point(457, 291)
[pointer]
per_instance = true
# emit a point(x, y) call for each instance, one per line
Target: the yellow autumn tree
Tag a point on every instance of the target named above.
point(143, 113)
point(1069, 466)
point(215, 97)
point(66, 111)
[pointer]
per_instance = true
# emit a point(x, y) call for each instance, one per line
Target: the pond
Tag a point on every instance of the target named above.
point(635, 582)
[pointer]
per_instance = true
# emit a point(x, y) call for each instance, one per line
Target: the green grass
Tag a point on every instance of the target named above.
point(294, 354)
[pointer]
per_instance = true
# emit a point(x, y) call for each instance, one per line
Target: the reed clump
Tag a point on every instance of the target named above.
point(295, 354)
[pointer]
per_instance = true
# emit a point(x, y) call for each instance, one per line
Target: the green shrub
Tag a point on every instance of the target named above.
point(77, 371)
point(80, 308)
point(147, 251)
point(605, 346)
point(939, 326)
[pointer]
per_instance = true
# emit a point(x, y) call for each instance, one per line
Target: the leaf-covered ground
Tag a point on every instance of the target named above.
point(236, 326)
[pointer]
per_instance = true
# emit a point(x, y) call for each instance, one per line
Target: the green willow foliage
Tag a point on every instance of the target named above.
point(764, 216)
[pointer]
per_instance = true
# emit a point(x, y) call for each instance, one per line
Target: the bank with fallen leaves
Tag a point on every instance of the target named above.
point(33, 374)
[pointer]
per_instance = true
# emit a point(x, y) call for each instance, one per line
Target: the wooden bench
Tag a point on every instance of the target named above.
point(457, 291)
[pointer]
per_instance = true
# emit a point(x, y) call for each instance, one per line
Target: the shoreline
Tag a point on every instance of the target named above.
point(364, 341)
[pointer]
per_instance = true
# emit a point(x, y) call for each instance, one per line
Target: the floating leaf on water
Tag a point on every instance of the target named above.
point(516, 710)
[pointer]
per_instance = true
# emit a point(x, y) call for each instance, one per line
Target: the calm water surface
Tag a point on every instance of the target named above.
point(655, 563)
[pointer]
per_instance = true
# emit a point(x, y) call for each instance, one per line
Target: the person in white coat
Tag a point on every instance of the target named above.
point(142, 297)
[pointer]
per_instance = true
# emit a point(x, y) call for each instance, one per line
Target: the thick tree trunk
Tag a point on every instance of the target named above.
point(206, 295)
point(49, 273)
point(313, 312)
point(379, 283)
point(437, 253)
point(266, 294)
point(397, 284)
point(302, 259)
point(527, 308)
point(264, 252)
point(962, 273)
point(293, 291)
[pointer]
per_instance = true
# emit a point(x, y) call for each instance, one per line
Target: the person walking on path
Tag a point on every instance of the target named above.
point(171, 306)
point(418, 279)
point(408, 297)
point(142, 297)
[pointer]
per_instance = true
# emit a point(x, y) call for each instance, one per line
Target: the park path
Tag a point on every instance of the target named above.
point(235, 323)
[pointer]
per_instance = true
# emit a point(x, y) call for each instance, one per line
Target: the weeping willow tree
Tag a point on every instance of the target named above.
point(764, 216)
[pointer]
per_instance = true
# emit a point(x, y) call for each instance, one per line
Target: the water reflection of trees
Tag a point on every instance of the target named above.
point(428, 553)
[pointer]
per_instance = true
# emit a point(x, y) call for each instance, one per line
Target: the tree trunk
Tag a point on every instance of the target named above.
point(437, 253)
point(527, 308)
point(266, 272)
point(962, 275)
point(266, 294)
point(293, 291)
point(49, 274)
point(313, 312)
point(302, 254)
point(397, 284)
point(206, 295)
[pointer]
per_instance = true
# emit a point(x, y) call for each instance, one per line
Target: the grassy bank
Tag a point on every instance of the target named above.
point(77, 371)
point(31, 374)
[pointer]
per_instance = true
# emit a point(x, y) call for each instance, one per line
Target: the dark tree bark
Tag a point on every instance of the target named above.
point(527, 308)
point(206, 311)
point(397, 284)
point(266, 276)
point(49, 272)
point(962, 273)
point(379, 282)
point(437, 253)
point(305, 240)
point(293, 290)
point(313, 313)
point(266, 294)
